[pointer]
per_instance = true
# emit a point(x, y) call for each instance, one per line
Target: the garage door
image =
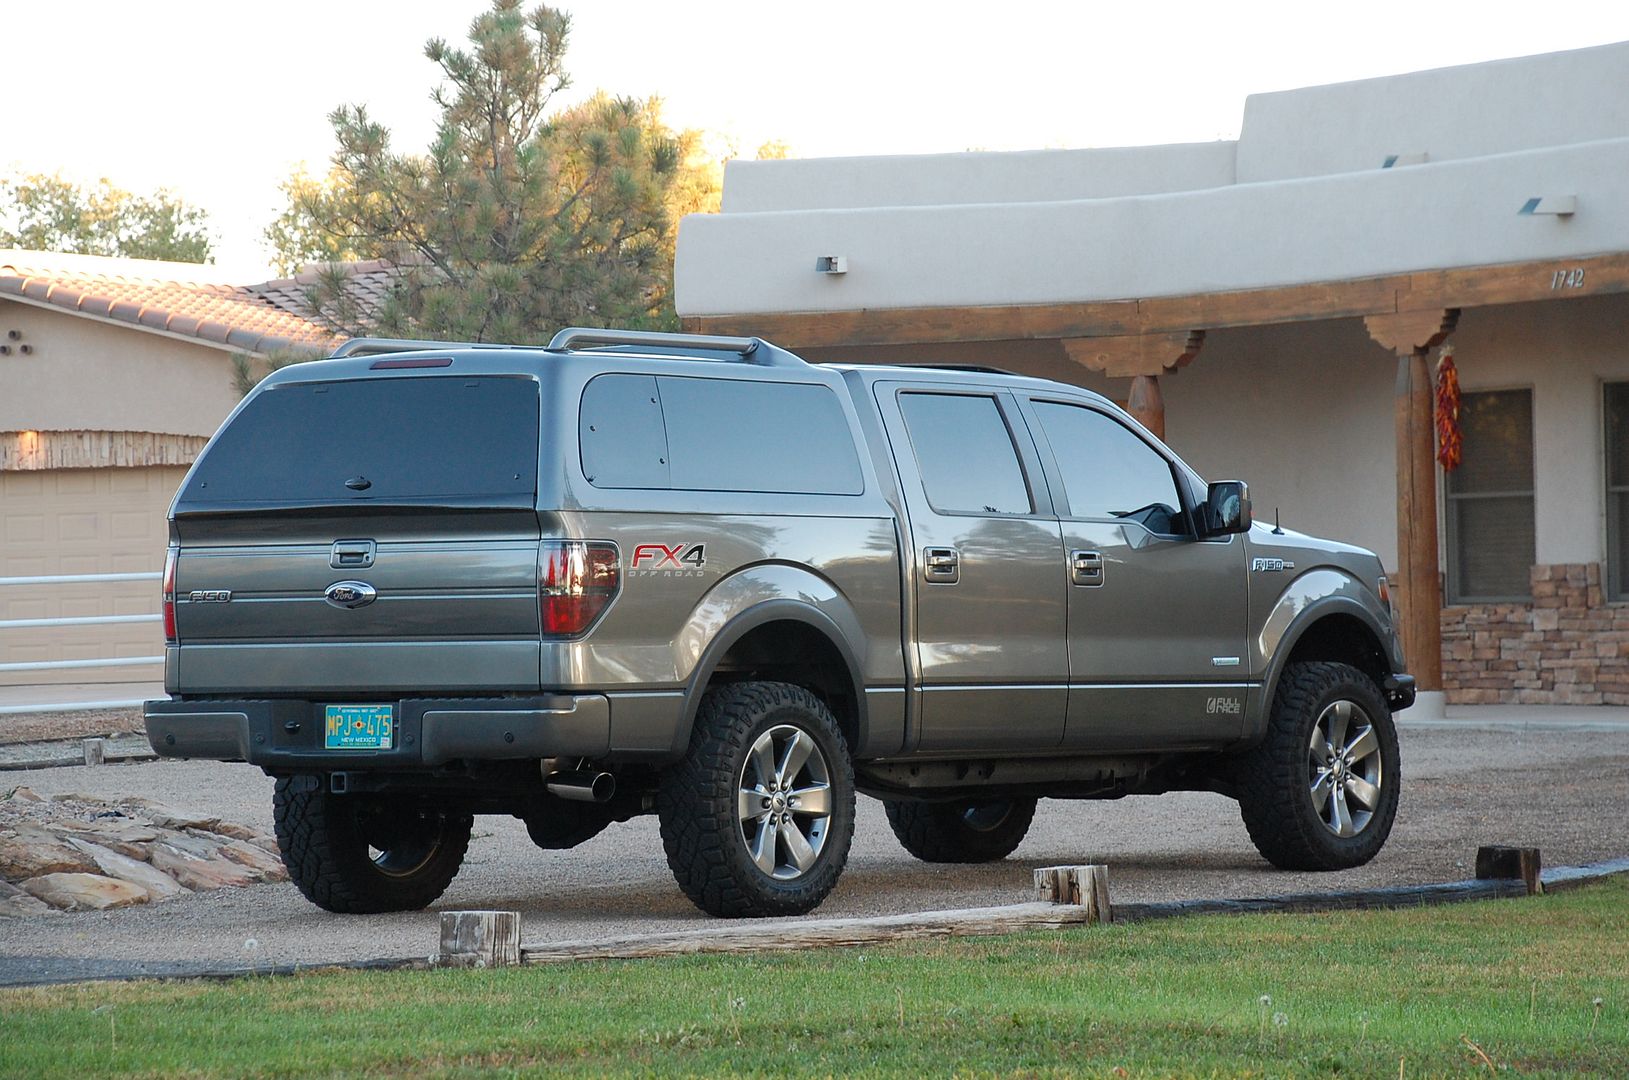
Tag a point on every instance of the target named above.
point(83, 521)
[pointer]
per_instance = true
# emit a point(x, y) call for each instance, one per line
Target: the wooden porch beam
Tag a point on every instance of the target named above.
point(1481, 286)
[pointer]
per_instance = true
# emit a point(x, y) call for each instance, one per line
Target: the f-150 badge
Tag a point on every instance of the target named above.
point(1267, 566)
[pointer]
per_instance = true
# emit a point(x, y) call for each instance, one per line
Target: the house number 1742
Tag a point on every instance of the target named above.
point(1568, 279)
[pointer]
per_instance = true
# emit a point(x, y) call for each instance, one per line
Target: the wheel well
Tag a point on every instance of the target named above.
point(1343, 639)
point(795, 652)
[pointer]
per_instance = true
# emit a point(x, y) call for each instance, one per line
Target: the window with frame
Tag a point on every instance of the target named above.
point(1108, 472)
point(1490, 499)
point(965, 454)
point(1617, 491)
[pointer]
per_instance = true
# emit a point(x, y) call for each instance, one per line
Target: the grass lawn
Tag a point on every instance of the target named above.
point(1501, 987)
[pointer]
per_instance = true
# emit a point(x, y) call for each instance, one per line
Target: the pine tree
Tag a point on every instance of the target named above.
point(517, 220)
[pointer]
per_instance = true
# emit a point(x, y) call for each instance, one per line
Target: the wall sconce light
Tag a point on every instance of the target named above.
point(1559, 205)
point(831, 264)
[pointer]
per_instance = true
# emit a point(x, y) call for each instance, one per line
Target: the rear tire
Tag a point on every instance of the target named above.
point(970, 831)
point(361, 854)
point(1320, 792)
point(758, 817)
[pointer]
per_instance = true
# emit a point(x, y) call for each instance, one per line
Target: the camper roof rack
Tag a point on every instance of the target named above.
point(751, 350)
point(373, 346)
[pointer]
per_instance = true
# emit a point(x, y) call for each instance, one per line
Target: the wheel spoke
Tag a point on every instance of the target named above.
point(1361, 747)
point(750, 804)
point(797, 846)
point(761, 760)
point(763, 845)
point(1363, 791)
point(1340, 716)
point(1320, 791)
point(798, 749)
point(1340, 815)
point(814, 801)
point(1318, 746)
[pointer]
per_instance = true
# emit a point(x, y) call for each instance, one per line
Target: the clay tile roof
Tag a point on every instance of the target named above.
point(368, 284)
point(181, 298)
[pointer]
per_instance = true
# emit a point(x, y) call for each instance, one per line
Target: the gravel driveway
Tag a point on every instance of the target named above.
point(1559, 790)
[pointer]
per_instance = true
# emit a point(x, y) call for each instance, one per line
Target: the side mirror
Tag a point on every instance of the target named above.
point(1227, 508)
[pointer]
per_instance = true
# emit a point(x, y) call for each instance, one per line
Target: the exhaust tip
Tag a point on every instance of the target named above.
point(582, 785)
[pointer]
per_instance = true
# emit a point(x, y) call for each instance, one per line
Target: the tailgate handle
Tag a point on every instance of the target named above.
point(349, 554)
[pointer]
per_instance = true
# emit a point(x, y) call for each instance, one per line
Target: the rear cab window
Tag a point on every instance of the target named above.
point(965, 454)
point(424, 439)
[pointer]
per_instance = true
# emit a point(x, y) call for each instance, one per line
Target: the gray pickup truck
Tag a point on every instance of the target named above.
point(700, 577)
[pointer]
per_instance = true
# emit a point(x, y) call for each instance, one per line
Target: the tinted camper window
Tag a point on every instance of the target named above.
point(717, 435)
point(423, 438)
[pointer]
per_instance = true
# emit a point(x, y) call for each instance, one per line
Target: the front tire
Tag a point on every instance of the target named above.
point(362, 854)
point(1320, 792)
point(970, 831)
point(758, 817)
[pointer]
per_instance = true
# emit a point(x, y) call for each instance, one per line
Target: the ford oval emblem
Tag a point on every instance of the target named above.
point(350, 594)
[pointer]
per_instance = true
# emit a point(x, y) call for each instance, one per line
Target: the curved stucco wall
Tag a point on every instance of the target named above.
point(944, 179)
point(1448, 113)
point(1461, 213)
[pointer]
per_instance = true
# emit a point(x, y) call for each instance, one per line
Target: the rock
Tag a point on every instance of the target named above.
point(269, 843)
point(234, 830)
point(25, 794)
point(14, 902)
point(85, 892)
point(118, 834)
point(168, 818)
point(79, 797)
point(199, 873)
point(31, 852)
point(203, 845)
point(270, 867)
point(159, 885)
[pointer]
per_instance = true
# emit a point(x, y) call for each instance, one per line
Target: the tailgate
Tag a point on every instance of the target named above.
point(362, 537)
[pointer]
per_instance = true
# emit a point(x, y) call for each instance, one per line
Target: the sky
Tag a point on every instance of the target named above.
point(219, 101)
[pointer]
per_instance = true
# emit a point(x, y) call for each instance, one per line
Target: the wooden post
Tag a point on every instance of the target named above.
point(479, 939)
point(1146, 404)
point(1142, 358)
point(1411, 335)
point(1081, 886)
point(95, 751)
point(1510, 863)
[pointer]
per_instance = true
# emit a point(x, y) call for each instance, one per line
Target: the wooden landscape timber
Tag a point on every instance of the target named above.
point(1477, 286)
point(1083, 900)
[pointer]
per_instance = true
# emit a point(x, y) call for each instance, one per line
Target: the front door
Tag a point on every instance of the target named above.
point(986, 577)
point(1157, 621)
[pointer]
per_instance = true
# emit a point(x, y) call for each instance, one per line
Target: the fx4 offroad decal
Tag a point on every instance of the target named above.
point(669, 560)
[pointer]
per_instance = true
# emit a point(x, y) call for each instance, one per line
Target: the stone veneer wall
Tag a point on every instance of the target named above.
point(1565, 647)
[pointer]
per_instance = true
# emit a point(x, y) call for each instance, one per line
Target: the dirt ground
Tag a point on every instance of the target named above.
point(38, 727)
point(1561, 791)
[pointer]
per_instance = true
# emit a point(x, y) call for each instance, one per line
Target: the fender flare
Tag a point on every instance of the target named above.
point(750, 619)
point(1330, 592)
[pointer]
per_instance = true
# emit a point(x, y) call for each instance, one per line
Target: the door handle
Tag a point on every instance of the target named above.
point(1086, 567)
point(941, 565)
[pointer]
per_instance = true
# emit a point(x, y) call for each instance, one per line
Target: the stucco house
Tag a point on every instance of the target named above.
point(1276, 307)
point(113, 375)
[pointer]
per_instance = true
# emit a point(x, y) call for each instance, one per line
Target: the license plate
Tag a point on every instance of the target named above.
point(358, 727)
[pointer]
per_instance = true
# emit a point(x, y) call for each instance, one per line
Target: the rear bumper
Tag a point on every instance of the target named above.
point(288, 734)
point(1399, 691)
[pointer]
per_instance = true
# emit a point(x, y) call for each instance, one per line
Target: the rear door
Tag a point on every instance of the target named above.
point(361, 536)
point(989, 593)
point(1156, 617)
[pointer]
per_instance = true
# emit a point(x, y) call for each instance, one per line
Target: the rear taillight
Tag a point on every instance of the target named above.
point(169, 597)
point(576, 582)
